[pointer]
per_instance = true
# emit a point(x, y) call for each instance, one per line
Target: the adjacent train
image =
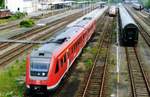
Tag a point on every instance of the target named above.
point(137, 6)
point(128, 28)
point(5, 13)
point(112, 11)
point(47, 66)
point(101, 4)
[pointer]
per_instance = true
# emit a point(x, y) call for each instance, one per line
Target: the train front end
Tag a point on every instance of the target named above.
point(38, 72)
point(131, 32)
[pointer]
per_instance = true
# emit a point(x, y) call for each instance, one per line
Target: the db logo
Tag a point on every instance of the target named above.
point(37, 81)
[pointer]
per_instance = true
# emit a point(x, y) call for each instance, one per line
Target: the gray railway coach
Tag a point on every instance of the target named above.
point(128, 28)
point(137, 6)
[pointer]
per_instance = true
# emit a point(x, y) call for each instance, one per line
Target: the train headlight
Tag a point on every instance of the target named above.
point(38, 74)
point(27, 86)
point(43, 74)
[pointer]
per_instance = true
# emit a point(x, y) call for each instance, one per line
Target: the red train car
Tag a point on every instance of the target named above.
point(4, 13)
point(47, 66)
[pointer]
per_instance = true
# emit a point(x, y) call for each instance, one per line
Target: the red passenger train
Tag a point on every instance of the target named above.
point(47, 66)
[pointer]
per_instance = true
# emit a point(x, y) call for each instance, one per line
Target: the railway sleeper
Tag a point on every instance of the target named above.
point(141, 86)
point(138, 82)
point(92, 93)
point(96, 76)
point(94, 88)
point(95, 84)
point(96, 80)
point(141, 92)
point(138, 77)
point(142, 95)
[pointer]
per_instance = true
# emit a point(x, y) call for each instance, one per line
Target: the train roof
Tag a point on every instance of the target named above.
point(64, 36)
point(81, 2)
point(101, 2)
point(137, 4)
point(92, 15)
point(125, 17)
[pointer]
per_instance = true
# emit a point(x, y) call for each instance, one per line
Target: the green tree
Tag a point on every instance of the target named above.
point(2, 3)
point(146, 3)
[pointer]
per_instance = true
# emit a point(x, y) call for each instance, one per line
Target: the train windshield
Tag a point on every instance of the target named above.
point(39, 66)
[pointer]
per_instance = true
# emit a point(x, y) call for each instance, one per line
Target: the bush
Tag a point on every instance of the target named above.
point(18, 15)
point(27, 23)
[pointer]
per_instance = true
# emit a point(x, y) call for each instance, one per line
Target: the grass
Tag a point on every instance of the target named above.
point(88, 63)
point(2, 21)
point(12, 80)
point(91, 52)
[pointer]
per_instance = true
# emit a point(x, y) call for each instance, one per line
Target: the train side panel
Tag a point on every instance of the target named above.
point(128, 28)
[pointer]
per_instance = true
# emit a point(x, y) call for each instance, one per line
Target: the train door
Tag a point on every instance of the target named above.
point(70, 54)
point(62, 64)
point(131, 34)
point(67, 55)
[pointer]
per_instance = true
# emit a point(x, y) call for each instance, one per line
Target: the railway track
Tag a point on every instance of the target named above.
point(13, 53)
point(21, 48)
point(4, 27)
point(93, 85)
point(139, 80)
point(31, 33)
point(49, 14)
point(14, 25)
point(138, 77)
point(140, 14)
point(145, 35)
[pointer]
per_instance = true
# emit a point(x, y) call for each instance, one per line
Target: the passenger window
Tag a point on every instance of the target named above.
point(65, 57)
point(62, 62)
point(72, 49)
point(68, 53)
point(76, 45)
point(57, 67)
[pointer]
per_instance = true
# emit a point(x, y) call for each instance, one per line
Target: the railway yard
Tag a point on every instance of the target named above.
point(94, 51)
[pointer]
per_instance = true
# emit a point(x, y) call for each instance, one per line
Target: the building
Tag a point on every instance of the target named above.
point(21, 5)
point(49, 4)
point(29, 6)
